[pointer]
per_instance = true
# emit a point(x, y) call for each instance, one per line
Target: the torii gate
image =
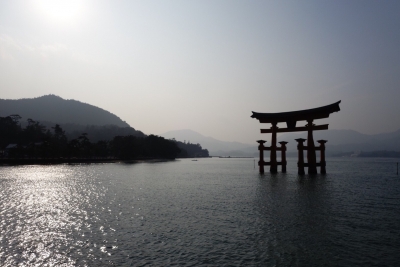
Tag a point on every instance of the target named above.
point(291, 119)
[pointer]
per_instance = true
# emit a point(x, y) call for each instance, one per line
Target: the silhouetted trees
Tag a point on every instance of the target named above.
point(126, 147)
point(100, 133)
point(156, 146)
point(36, 141)
point(9, 129)
point(152, 146)
point(191, 150)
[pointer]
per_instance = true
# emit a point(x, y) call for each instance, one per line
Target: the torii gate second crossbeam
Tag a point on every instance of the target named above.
point(291, 118)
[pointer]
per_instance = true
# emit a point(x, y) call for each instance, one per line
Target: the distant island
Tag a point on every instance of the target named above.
point(370, 154)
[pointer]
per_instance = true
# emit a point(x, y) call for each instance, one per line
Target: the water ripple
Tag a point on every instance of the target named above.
point(212, 212)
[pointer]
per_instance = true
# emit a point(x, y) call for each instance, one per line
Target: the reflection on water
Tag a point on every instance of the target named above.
point(43, 209)
point(211, 212)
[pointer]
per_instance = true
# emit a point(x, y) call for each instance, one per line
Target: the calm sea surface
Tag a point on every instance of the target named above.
point(210, 212)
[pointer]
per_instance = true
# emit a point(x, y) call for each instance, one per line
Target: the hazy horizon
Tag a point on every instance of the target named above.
point(205, 65)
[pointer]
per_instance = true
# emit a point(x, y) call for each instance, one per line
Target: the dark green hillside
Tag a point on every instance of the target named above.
point(51, 108)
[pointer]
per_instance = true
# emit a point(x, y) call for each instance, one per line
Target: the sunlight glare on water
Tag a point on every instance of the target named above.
point(211, 212)
point(42, 212)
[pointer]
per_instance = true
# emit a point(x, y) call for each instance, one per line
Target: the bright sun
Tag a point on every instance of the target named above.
point(61, 10)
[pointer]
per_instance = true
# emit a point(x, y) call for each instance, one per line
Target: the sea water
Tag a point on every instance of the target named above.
point(209, 212)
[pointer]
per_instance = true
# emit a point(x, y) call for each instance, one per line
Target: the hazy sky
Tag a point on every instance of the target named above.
point(205, 65)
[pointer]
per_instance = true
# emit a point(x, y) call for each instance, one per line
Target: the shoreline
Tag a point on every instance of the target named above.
point(38, 161)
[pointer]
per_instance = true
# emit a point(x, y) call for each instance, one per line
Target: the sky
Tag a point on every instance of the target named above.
point(205, 65)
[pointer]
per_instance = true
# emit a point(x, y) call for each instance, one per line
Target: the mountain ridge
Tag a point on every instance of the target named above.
point(63, 111)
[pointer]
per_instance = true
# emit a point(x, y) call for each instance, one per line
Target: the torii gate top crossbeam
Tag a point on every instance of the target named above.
point(292, 117)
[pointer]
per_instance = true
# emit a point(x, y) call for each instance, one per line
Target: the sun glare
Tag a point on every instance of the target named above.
point(61, 10)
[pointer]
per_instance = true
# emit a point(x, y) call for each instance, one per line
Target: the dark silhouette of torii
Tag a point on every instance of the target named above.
point(291, 118)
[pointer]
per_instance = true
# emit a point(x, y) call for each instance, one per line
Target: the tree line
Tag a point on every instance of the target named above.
point(37, 141)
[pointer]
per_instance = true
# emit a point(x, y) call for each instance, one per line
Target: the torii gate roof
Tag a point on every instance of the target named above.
point(300, 115)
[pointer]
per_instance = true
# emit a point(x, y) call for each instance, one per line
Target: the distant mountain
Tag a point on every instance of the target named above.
point(54, 109)
point(214, 146)
point(339, 141)
point(347, 140)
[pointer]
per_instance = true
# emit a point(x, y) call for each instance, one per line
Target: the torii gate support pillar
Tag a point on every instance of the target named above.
point(283, 157)
point(300, 148)
point(322, 149)
point(261, 161)
point(311, 157)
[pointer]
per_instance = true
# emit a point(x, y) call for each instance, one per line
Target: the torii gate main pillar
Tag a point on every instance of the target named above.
point(274, 167)
point(311, 157)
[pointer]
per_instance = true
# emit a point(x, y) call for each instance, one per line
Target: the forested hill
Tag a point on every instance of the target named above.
point(51, 108)
point(29, 122)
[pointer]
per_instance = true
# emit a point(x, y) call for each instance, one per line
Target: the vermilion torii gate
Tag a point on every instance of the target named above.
point(291, 118)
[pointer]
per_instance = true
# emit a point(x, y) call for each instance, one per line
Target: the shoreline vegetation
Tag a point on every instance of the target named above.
point(36, 144)
point(46, 161)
